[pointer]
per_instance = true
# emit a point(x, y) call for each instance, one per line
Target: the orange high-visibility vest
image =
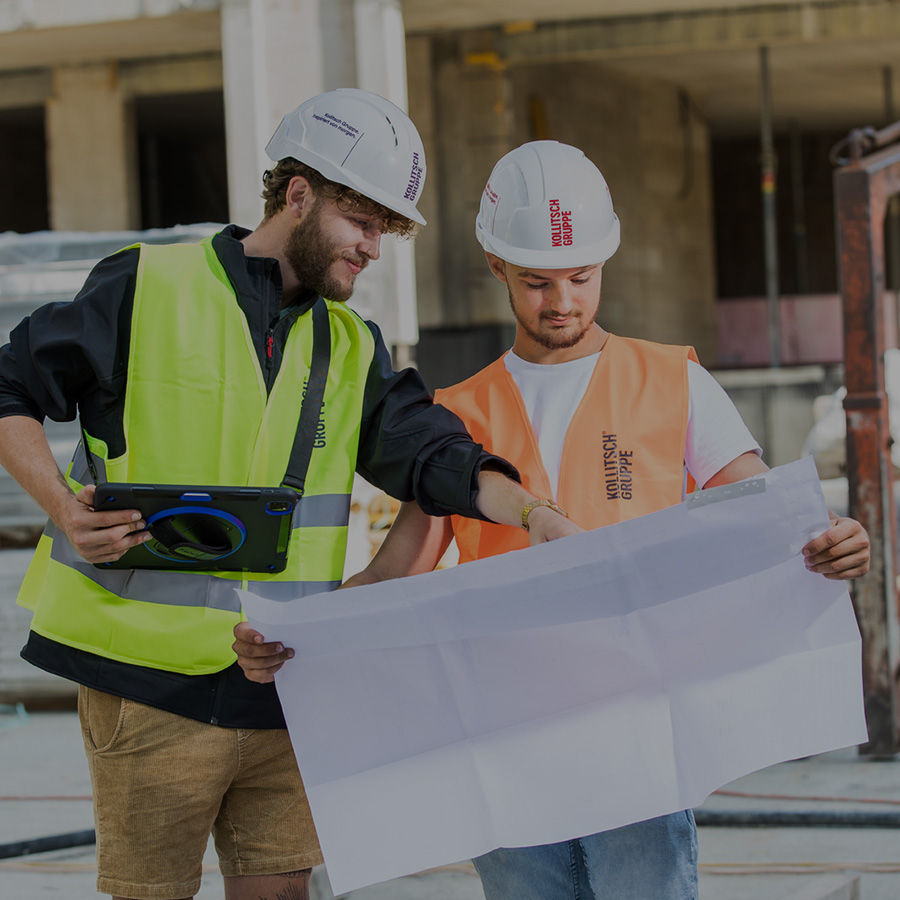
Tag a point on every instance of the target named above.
point(623, 455)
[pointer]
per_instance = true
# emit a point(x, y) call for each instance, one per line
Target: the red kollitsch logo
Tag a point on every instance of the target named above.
point(560, 225)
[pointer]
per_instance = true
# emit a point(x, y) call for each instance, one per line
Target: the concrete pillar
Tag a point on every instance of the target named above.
point(388, 295)
point(92, 151)
point(278, 53)
point(429, 284)
point(272, 52)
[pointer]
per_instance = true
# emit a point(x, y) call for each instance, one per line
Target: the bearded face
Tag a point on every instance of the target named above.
point(552, 329)
point(318, 258)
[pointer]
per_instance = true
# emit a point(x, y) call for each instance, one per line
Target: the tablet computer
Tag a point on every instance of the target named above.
point(200, 527)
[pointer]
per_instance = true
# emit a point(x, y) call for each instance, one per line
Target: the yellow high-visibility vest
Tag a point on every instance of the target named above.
point(196, 411)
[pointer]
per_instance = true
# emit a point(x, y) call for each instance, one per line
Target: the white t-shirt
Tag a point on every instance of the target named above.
point(716, 434)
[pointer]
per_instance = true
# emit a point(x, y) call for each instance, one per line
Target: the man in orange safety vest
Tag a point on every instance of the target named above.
point(602, 428)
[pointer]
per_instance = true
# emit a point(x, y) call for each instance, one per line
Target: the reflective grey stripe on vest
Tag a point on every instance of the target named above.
point(177, 588)
point(80, 471)
point(313, 511)
point(322, 511)
point(283, 591)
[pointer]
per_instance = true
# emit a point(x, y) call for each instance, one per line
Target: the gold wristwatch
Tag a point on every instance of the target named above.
point(531, 504)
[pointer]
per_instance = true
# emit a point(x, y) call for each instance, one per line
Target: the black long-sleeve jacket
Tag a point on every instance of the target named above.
point(69, 359)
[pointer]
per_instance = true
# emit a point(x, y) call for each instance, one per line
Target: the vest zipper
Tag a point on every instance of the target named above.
point(218, 699)
point(270, 360)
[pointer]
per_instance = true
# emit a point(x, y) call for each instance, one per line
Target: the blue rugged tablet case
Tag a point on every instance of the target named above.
point(199, 528)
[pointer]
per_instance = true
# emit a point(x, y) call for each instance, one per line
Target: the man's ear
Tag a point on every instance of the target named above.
point(497, 266)
point(298, 196)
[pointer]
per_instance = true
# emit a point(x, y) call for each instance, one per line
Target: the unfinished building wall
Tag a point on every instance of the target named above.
point(653, 149)
point(646, 137)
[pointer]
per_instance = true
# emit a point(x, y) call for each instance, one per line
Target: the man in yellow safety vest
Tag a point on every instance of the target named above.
point(186, 365)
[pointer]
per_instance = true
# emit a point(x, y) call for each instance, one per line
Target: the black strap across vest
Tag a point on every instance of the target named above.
point(310, 408)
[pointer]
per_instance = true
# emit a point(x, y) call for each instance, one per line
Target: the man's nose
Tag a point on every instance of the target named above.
point(563, 301)
point(371, 245)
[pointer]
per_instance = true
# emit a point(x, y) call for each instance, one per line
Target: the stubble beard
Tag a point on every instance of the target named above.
point(311, 253)
point(554, 338)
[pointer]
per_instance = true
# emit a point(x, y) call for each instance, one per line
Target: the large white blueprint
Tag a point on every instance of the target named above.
point(569, 688)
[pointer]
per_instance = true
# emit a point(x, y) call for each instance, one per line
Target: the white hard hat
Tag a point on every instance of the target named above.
point(360, 140)
point(547, 205)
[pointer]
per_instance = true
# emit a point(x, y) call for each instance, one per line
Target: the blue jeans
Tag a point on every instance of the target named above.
point(652, 860)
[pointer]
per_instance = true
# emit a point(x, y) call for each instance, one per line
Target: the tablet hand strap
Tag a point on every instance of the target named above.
point(202, 541)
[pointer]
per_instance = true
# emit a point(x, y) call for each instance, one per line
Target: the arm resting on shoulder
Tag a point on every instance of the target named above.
point(842, 552)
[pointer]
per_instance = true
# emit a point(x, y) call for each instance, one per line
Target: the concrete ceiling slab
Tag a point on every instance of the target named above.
point(830, 61)
point(439, 15)
point(185, 34)
point(823, 87)
point(829, 73)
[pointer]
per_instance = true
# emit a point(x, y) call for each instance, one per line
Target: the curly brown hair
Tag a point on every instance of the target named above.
point(276, 181)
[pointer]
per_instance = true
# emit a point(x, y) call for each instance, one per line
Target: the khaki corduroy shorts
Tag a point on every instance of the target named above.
point(162, 783)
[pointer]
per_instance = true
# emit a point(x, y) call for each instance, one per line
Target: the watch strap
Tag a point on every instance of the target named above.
point(533, 504)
